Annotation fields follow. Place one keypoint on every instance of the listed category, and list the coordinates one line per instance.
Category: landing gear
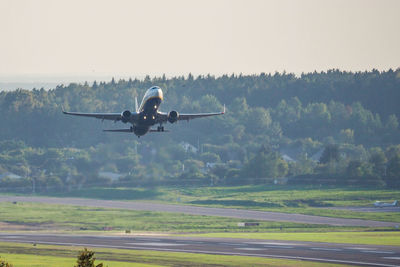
(160, 129)
(132, 131)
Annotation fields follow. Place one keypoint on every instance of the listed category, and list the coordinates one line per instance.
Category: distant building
(9, 175)
(188, 147)
(236, 164)
(290, 154)
(111, 175)
(281, 180)
(317, 155)
(244, 224)
(210, 165)
(287, 158)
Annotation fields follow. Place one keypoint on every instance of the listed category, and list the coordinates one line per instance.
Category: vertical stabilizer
(136, 104)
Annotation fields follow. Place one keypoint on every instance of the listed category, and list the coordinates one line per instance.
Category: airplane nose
(160, 93)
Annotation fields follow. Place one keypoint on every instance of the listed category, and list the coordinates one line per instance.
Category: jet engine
(126, 116)
(173, 116)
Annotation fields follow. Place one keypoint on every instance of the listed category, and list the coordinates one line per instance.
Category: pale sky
(175, 37)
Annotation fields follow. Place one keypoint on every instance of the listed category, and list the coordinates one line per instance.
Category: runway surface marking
(232, 244)
(250, 248)
(278, 247)
(272, 243)
(356, 248)
(198, 210)
(376, 251)
(191, 242)
(392, 258)
(327, 249)
(156, 244)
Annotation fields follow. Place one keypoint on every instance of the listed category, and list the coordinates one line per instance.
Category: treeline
(60, 169)
(293, 118)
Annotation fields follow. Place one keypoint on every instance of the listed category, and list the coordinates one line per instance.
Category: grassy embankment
(304, 200)
(24, 255)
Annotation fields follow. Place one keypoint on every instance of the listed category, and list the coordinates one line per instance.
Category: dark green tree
(392, 123)
(266, 164)
(378, 161)
(393, 171)
(331, 153)
(358, 169)
(258, 120)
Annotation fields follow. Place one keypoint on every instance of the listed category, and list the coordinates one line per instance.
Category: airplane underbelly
(141, 130)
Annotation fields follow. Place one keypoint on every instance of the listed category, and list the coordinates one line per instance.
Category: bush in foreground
(5, 264)
(86, 259)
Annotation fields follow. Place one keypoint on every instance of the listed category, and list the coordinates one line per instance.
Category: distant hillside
(335, 127)
(314, 105)
(10, 86)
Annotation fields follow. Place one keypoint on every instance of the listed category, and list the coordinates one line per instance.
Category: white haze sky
(175, 37)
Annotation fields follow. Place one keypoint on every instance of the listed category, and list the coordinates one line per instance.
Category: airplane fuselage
(148, 111)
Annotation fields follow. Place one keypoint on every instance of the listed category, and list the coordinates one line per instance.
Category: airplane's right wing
(163, 116)
(187, 117)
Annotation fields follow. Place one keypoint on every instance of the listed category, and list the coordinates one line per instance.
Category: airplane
(380, 204)
(146, 115)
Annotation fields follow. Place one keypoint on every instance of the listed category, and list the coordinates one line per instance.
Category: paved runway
(362, 255)
(223, 212)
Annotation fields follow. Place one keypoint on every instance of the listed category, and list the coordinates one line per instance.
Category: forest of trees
(337, 127)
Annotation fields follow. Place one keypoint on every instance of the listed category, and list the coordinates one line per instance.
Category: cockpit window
(154, 88)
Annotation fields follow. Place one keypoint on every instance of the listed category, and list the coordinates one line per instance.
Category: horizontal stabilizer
(157, 131)
(119, 130)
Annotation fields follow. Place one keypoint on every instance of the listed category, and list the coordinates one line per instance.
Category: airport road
(367, 209)
(195, 210)
(361, 255)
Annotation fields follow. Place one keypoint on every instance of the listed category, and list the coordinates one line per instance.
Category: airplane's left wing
(119, 130)
(102, 116)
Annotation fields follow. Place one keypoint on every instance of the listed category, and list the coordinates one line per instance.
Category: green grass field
(70, 219)
(261, 196)
(24, 260)
(25, 255)
(367, 238)
(49, 217)
(304, 200)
